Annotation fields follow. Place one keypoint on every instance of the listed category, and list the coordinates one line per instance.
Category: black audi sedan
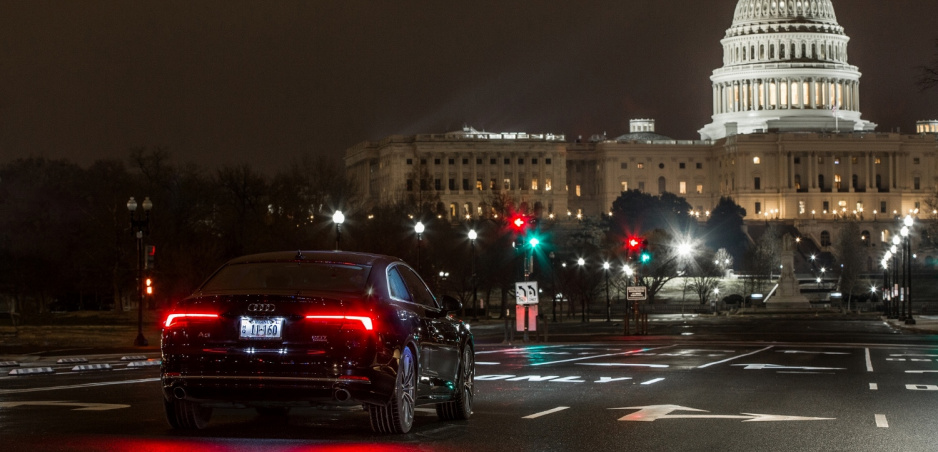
(275, 331)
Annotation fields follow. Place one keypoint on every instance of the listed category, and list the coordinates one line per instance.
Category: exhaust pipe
(179, 393)
(341, 394)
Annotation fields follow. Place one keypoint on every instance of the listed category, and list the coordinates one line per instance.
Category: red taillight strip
(366, 321)
(172, 317)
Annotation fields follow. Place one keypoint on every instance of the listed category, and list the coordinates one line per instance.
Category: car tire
(460, 408)
(397, 416)
(185, 415)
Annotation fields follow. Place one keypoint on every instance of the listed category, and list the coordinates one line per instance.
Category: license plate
(261, 328)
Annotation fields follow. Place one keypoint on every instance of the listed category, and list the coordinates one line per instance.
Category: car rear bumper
(252, 390)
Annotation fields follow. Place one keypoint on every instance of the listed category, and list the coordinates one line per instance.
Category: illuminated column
(778, 94)
(850, 188)
(811, 93)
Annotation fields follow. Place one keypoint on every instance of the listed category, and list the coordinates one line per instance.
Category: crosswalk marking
(881, 421)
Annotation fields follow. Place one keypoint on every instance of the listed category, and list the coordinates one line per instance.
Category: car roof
(348, 257)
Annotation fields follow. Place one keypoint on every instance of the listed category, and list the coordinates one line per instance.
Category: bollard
(508, 328)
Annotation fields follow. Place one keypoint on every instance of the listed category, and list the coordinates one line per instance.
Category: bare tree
(928, 74)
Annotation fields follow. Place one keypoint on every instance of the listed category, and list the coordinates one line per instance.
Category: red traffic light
(634, 243)
(519, 223)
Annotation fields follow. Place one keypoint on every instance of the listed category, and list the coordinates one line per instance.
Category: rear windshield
(262, 277)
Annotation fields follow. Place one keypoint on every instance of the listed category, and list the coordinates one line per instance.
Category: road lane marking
(881, 421)
(85, 385)
(802, 352)
(485, 363)
(651, 382)
(779, 367)
(611, 379)
(76, 406)
(632, 352)
(922, 387)
(869, 362)
(912, 354)
(545, 413)
(653, 413)
(659, 366)
(733, 358)
(921, 371)
(874, 386)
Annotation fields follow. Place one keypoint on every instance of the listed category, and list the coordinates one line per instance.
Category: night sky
(264, 82)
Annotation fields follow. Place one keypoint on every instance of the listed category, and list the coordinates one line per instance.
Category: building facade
(787, 143)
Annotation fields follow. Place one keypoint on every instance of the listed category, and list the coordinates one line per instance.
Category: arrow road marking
(632, 352)
(81, 406)
(653, 413)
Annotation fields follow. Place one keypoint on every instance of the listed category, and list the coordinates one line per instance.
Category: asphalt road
(783, 384)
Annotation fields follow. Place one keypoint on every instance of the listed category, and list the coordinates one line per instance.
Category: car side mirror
(451, 304)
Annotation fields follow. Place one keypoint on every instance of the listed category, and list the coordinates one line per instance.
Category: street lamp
(338, 218)
(906, 234)
(140, 227)
(581, 262)
(608, 306)
(473, 235)
(419, 228)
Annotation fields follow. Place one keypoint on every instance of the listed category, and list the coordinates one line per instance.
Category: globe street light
(139, 228)
(338, 218)
(419, 228)
(608, 305)
(473, 235)
(581, 262)
(906, 235)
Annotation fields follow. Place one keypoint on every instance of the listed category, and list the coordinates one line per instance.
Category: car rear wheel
(185, 415)
(460, 408)
(397, 416)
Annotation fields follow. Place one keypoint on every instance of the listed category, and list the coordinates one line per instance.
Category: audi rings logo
(261, 307)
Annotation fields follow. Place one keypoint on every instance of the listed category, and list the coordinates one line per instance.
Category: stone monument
(788, 294)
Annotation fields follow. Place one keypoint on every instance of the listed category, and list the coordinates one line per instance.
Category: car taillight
(351, 322)
(175, 320)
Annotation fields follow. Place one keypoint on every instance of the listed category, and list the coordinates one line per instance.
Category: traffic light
(645, 256)
(149, 257)
(633, 244)
(149, 286)
(519, 223)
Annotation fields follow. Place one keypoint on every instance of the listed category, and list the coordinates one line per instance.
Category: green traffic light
(646, 257)
(534, 242)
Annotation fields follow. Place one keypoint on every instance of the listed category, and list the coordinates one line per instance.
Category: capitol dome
(785, 68)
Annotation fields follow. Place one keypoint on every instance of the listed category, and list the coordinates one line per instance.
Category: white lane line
(660, 366)
(921, 371)
(733, 358)
(86, 385)
(651, 382)
(486, 363)
(632, 352)
(910, 354)
(881, 421)
(869, 362)
(545, 413)
(874, 386)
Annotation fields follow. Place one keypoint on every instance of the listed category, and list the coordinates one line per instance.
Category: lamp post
(338, 218)
(894, 249)
(581, 262)
(473, 235)
(419, 228)
(887, 299)
(140, 227)
(907, 234)
(608, 305)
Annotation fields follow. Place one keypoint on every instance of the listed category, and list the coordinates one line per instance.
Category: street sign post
(636, 293)
(526, 299)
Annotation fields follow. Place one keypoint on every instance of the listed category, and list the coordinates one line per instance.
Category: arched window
(820, 181)
(825, 238)
(797, 182)
(855, 182)
(865, 237)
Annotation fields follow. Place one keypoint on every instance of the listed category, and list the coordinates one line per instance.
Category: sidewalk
(923, 324)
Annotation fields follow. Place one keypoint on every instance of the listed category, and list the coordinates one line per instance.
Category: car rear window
(289, 276)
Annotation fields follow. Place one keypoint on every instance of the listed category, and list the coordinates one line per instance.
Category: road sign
(526, 292)
(636, 293)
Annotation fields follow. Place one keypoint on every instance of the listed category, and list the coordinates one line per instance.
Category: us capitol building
(787, 143)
